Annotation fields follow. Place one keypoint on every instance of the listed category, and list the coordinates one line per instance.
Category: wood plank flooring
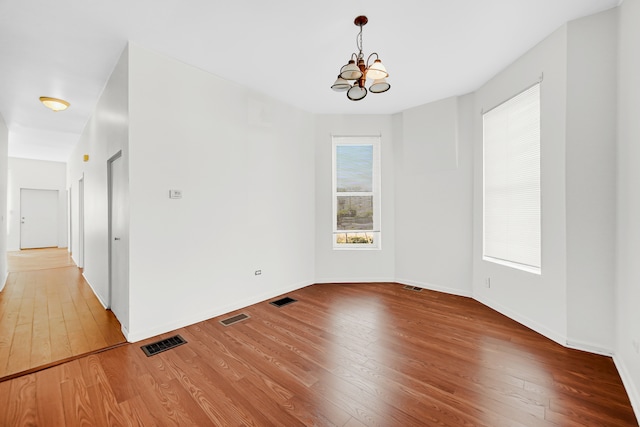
(343, 355)
(49, 313)
(39, 259)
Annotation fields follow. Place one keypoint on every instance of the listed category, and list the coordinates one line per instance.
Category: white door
(119, 241)
(70, 218)
(80, 258)
(38, 218)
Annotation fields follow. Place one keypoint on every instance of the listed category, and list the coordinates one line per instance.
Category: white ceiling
(288, 49)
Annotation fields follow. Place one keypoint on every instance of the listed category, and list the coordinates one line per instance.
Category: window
(511, 182)
(356, 192)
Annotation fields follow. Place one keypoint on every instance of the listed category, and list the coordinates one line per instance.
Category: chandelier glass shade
(354, 74)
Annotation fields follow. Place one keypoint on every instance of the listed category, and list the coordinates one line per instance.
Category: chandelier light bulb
(377, 71)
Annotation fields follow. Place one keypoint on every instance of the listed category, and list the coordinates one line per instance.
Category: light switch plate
(175, 194)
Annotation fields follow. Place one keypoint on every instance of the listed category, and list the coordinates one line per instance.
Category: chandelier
(354, 74)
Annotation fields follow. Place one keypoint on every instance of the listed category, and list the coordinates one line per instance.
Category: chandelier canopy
(354, 74)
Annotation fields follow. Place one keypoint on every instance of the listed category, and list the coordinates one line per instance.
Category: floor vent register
(283, 301)
(164, 345)
(234, 319)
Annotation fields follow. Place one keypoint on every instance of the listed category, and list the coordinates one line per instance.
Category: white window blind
(511, 184)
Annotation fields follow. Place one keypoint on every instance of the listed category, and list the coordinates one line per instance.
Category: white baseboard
(541, 329)
(589, 348)
(4, 281)
(432, 287)
(629, 385)
(218, 311)
(326, 280)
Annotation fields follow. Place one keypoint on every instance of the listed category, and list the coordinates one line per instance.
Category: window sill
(522, 267)
(356, 248)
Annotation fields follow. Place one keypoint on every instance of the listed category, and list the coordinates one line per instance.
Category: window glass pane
(355, 213)
(355, 238)
(354, 168)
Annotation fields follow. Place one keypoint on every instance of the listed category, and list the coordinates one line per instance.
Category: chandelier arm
(374, 53)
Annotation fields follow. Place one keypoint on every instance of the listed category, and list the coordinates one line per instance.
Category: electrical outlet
(487, 282)
(636, 346)
(258, 272)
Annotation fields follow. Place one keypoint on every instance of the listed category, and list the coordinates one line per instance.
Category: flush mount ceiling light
(54, 103)
(355, 73)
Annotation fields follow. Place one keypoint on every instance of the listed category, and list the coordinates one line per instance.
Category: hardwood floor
(39, 259)
(48, 313)
(343, 355)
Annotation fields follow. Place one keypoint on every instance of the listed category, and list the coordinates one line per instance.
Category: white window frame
(373, 141)
(517, 241)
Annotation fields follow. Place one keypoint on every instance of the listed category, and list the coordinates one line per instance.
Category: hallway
(48, 313)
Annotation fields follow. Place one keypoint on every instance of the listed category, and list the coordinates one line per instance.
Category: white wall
(591, 180)
(4, 175)
(352, 265)
(256, 181)
(105, 134)
(245, 166)
(433, 154)
(628, 224)
(572, 301)
(38, 175)
(538, 301)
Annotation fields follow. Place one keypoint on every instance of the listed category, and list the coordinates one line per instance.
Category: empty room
(320, 214)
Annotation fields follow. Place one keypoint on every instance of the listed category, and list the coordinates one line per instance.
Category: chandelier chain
(359, 42)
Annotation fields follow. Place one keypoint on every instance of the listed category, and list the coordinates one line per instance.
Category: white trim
(199, 317)
(629, 385)
(531, 324)
(4, 282)
(437, 288)
(589, 348)
(329, 280)
(528, 268)
(125, 332)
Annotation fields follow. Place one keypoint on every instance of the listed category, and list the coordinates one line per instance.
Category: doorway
(80, 258)
(118, 240)
(38, 218)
